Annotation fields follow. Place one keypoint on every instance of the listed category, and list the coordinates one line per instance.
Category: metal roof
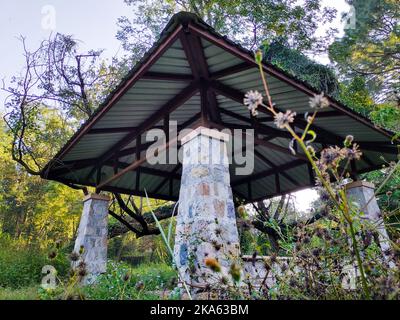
(192, 73)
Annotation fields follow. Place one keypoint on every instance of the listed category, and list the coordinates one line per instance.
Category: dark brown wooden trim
(137, 163)
(264, 174)
(142, 69)
(231, 70)
(263, 142)
(167, 76)
(170, 106)
(277, 183)
(111, 130)
(162, 183)
(273, 165)
(247, 57)
(325, 114)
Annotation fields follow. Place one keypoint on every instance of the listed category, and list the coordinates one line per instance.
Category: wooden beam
(111, 130)
(137, 163)
(198, 63)
(238, 96)
(167, 76)
(277, 183)
(146, 170)
(269, 172)
(323, 135)
(116, 130)
(273, 165)
(231, 70)
(170, 106)
(261, 128)
(139, 72)
(263, 142)
(162, 183)
(184, 37)
(248, 57)
(324, 114)
(203, 106)
(138, 144)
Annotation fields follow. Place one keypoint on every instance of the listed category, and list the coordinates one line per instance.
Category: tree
(249, 22)
(372, 47)
(32, 208)
(58, 89)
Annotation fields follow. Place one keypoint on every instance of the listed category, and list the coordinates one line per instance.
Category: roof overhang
(194, 76)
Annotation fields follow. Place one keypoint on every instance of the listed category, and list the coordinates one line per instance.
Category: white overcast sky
(94, 23)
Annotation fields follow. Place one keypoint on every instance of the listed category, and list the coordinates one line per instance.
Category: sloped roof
(194, 73)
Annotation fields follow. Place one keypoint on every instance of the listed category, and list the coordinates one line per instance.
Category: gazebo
(196, 78)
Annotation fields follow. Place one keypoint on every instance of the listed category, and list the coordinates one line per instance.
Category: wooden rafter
(269, 172)
(248, 57)
(170, 106)
(167, 76)
(230, 70)
(264, 143)
(137, 163)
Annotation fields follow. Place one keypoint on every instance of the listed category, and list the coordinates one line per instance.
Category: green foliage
(300, 66)
(371, 47)
(33, 208)
(356, 95)
(28, 293)
(387, 115)
(21, 265)
(123, 282)
(248, 22)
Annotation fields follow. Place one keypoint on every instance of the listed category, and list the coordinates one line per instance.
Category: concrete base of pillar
(91, 240)
(363, 194)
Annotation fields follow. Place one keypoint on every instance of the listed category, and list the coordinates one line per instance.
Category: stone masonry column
(206, 223)
(92, 236)
(361, 192)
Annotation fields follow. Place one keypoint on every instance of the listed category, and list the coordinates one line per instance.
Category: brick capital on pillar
(92, 235)
(363, 193)
(206, 223)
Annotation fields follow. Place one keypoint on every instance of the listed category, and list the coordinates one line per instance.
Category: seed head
(213, 264)
(352, 153)
(139, 285)
(52, 254)
(283, 119)
(348, 141)
(319, 101)
(235, 272)
(252, 100)
(331, 156)
(81, 249)
(126, 277)
(74, 256)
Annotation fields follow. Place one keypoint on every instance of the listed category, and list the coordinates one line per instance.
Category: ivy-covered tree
(371, 47)
(250, 22)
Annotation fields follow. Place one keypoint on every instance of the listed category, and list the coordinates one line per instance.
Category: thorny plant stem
(167, 244)
(341, 205)
(397, 165)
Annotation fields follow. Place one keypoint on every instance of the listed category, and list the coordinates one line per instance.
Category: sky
(91, 21)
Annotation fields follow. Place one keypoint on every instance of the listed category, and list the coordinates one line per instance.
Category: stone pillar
(206, 223)
(92, 236)
(361, 192)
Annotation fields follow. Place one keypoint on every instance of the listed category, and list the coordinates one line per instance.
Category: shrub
(21, 265)
(122, 282)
